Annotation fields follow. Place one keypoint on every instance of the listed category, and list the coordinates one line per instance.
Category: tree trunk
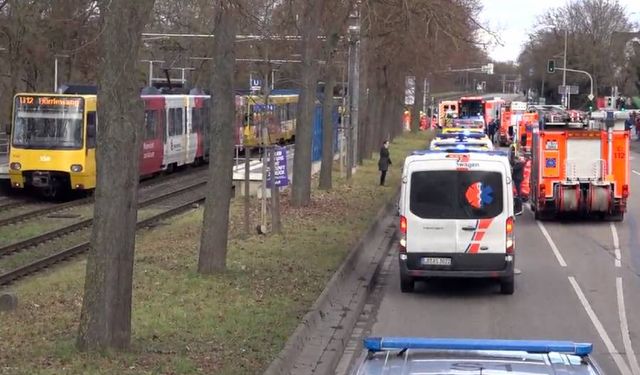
(327, 130)
(374, 104)
(105, 320)
(301, 189)
(417, 107)
(215, 225)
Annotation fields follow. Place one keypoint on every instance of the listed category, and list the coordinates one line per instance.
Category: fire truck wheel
(616, 216)
(541, 215)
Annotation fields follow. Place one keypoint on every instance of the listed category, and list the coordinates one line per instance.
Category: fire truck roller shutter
(583, 159)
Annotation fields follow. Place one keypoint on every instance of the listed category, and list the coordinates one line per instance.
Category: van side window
(92, 123)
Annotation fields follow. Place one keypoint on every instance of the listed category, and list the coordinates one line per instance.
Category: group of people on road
(633, 122)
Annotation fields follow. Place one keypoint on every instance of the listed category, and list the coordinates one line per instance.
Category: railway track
(37, 240)
(9, 203)
(147, 184)
(45, 262)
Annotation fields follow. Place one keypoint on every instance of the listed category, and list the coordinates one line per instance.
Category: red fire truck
(580, 167)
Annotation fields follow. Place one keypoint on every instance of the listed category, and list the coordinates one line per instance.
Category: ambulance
(447, 111)
(457, 217)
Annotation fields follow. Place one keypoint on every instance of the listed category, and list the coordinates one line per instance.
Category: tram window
(150, 124)
(92, 126)
(175, 121)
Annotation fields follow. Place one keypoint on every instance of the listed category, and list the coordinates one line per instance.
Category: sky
(514, 19)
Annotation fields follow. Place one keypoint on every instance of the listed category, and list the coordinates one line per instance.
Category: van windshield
(456, 194)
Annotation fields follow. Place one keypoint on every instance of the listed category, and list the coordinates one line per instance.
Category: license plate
(436, 261)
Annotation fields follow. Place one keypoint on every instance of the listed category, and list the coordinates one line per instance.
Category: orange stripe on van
(484, 224)
(474, 248)
(477, 236)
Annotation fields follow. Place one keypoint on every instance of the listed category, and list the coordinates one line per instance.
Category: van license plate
(436, 261)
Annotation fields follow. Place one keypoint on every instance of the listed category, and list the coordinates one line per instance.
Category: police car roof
(407, 355)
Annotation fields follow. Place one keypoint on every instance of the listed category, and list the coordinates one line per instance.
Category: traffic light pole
(583, 72)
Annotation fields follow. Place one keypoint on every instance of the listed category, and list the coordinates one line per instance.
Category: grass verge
(185, 323)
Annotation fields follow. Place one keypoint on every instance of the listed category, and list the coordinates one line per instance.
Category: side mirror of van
(7, 128)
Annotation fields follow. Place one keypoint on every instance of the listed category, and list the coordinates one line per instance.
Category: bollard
(8, 301)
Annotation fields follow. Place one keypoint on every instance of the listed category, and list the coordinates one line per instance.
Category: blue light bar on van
(453, 150)
(464, 134)
(377, 344)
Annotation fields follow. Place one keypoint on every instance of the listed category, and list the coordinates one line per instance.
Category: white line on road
(616, 245)
(617, 358)
(552, 244)
(624, 328)
(636, 172)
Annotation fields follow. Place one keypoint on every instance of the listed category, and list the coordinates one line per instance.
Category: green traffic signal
(551, 66)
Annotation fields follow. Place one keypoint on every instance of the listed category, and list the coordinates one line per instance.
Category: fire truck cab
(581, 167)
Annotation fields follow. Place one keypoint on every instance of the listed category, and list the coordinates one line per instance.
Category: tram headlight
(15, 166)
(76, 168)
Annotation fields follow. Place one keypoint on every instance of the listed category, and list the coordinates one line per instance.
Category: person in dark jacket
(384, 162)
(517, 165)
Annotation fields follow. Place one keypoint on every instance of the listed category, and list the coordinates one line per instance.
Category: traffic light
(609, 101)
(551, 66)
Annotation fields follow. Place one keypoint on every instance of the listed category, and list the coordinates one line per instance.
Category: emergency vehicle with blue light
(581, 167)
(416, 355)
(457, 217)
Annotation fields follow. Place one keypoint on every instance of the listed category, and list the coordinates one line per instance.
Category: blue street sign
(281, 175)
(264, 107)
(255, 84)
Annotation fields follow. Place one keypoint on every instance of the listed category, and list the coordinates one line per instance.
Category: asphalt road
(579, 281)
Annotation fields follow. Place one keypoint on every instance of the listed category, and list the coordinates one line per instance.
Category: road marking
(636, 172)
(624, 328)
(616, 245)
(617, 358)
(552, 244)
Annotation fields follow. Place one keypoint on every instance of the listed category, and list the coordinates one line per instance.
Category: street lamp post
(55, 72)
(564, 72)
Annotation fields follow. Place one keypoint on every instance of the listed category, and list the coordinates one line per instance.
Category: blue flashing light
(465, 134)
(377, 344)
(448, 149)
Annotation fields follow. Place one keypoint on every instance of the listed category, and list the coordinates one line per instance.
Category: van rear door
(457, 211)
(427, 232)
(481, 210)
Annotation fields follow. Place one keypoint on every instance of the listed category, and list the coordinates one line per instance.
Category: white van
(457, 217)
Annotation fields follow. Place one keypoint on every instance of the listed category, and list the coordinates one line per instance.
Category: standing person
(384, 162)
(517, 174)
(492, 130)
